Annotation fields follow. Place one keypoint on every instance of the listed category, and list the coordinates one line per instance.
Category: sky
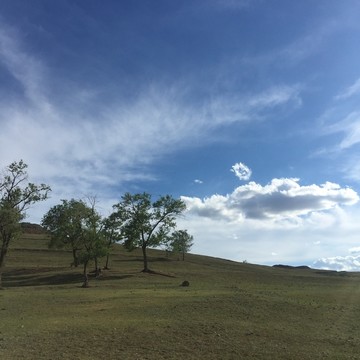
(246, 109)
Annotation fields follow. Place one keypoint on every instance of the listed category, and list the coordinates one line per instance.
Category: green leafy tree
(93, 240)
(112, 234)
(16, 196)
(77, 226)
(146, 223)
(65, 223)
(181, 242)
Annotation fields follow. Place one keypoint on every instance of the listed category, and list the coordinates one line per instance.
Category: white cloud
(197, 181)
(342, 123)
(349, 126)
(255, 241)
(77, 150)
(350, 91)
(241, 171)
(338, 263)
(355, 250)
(298, 223)
(351, 167)
(234, 108)
(283, 200)
(299, 243)
(276, 96)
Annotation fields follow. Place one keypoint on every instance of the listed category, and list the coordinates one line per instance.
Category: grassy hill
(230, 310)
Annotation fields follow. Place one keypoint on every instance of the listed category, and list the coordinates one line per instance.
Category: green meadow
(230, 310)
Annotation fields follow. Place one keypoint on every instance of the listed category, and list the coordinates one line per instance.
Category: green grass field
(229, 311)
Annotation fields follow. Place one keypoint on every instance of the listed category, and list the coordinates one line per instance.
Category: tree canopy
(16, 196)
(76, 225)
(181, 242)
(65, 222)
(111, 231)
(146, 223)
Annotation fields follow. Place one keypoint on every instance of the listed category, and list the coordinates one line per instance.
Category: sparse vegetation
(230, 310)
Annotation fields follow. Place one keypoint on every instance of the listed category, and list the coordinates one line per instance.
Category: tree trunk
(4, 248)
(146, 269)
(76, 260)
(107, 262)
(97, 269)
(96, 266)
(183, 255)
(2, 255)
(86, 278)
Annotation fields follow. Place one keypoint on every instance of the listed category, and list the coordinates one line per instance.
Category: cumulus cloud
(338, 263)
(280, 200)
(241, 171)
(198, 181)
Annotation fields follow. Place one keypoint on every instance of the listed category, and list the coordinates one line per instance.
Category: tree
(65, 224)
(112, 234)
(181, 242)
(77, 226)
(94, 245)
(16, 196)
(145, 223)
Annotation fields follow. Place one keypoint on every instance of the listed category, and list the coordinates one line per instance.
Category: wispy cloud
(341, 124)
(73, 147)
(27, 70)
(349, 126)
(350, 91)
(244, 107)
(351, 168)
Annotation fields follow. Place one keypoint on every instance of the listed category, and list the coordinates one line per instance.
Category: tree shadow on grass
(152, 272)
(113, 277)
(39, 277)
(140, 259)
(51, 276)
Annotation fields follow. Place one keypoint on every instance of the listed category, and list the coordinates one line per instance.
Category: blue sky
(248, 110)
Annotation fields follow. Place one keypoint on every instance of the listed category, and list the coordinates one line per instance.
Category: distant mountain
(304, 267)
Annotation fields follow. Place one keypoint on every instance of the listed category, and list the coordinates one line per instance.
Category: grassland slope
(230, 310)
